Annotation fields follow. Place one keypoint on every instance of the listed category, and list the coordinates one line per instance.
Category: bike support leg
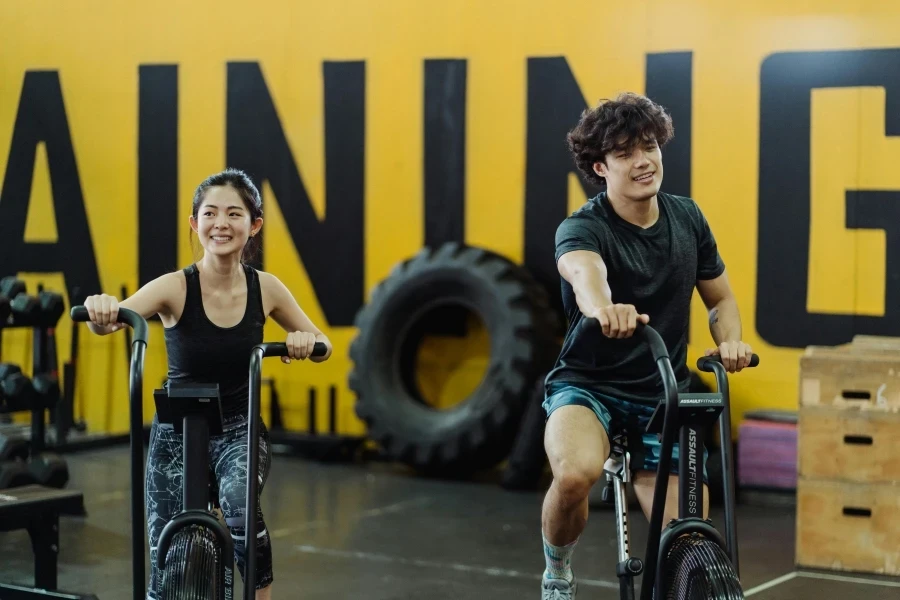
(627, 567)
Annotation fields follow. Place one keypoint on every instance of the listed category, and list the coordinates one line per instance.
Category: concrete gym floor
(373, 532)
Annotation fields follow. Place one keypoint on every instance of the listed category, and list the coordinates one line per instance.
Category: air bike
(688, 559)
(196, 553)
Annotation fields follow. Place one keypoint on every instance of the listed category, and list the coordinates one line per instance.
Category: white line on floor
(824, 576)
(848, 579)
(114, 496)
(372, 512)
(494, 571)
(769, 584)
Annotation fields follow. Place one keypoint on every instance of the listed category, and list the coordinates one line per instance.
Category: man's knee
(574, 480)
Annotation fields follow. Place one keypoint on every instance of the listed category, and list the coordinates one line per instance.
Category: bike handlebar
(650, 335)
(126, 316)
(260, 351)
(135, 385)
(654, 340)
(658, 346)
(281, 349)
(704, 362)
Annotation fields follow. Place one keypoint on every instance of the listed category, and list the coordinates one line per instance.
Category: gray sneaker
(558, 589)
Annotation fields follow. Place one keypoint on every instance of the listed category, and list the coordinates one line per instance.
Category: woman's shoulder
(180, 276)
(168, 281)
(267, 281)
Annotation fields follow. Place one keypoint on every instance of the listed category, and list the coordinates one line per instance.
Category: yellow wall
(97, 56)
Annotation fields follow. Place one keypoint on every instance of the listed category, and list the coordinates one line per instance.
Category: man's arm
(586, 273)
(724, 322)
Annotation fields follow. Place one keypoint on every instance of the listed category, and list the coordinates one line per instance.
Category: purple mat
(767, 454)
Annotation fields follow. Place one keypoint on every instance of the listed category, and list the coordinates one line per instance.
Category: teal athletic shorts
(612, 414)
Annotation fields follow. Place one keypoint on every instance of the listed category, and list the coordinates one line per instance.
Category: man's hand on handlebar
(619, 320)
(735, 355)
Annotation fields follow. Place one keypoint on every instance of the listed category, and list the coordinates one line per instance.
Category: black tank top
(201, 352)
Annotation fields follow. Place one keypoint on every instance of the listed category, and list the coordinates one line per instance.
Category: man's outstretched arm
(586, 273)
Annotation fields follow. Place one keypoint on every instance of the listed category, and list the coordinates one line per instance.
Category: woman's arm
(152, 299)
(285, 310)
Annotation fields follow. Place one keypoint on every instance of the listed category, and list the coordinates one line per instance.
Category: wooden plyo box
(848, 526)
(848, 489)
(849, 445)
(851, 378)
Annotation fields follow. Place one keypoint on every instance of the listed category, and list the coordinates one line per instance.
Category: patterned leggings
(228, 462)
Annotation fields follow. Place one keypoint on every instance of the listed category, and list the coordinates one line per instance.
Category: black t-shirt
(656, 270)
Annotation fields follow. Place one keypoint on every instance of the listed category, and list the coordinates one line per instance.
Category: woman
(213, 314)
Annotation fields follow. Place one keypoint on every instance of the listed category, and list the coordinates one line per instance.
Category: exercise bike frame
(690, 488)
(136, 434)
(196, 445)
(259, 352)
(196, 425)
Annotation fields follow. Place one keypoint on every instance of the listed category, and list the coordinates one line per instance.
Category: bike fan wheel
(194, 568)
(697, 568)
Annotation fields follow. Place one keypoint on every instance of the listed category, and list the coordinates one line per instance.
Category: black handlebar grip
(703, 362)
(650, 335)
(137, 323)
(281, 349)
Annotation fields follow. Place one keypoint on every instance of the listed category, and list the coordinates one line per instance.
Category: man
(631, 254)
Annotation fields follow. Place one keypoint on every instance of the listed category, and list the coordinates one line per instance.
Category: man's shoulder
(682, 208)
(591, 212)
(678, 202)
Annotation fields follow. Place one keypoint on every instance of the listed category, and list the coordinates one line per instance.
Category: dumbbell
(46, 390)
(25, 309)
(52, 308)
(4, 309)
(14, 473)
(16, 389)
(13, 447)
(50, 469)
(12, 287)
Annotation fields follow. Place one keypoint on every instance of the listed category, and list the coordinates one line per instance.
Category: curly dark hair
(616, 125)
(244, 186)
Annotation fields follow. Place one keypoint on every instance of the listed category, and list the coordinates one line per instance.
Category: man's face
(634, 173)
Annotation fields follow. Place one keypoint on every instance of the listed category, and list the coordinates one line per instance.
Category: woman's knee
(233, 498)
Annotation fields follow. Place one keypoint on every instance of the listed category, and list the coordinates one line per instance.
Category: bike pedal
(635, 566)
(631, 567)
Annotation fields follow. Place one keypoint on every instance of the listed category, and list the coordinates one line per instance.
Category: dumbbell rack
(40, 392)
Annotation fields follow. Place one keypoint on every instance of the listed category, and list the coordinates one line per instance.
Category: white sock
(559, 560)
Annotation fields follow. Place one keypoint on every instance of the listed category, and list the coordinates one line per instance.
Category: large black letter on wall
(331, 249)
(786, 81)
(157, 171)
(445, 151)
(555, 103)
(670, 83)
(41, 117)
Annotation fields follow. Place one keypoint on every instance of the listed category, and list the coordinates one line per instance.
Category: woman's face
(223, 222)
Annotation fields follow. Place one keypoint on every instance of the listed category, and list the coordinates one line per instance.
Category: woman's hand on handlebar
(300, 345)
(735, 355)
(619, 320)
(103, 310)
